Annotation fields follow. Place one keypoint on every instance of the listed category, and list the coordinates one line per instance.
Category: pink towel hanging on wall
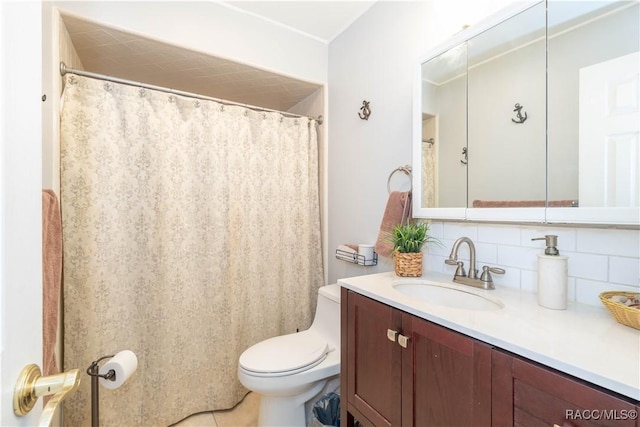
(397, 211)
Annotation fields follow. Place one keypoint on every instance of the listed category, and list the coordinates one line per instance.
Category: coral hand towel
(398, 211)
(51, 278)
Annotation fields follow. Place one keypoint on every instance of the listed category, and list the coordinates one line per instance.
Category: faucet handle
(486, 273)
(460, 270)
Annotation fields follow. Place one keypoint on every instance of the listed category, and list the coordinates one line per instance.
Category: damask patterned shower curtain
(191, 231)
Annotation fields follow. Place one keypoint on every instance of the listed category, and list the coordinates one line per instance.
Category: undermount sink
(447, 296)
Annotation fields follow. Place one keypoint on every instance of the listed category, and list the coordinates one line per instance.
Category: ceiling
(323, 20)
(124, 55)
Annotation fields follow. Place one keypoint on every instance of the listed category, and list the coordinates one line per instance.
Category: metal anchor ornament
(518, 111)
(366, 111)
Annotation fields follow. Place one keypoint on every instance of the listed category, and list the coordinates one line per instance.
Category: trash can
(326, 411)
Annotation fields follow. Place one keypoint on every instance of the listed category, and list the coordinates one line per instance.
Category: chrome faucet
(485, 281)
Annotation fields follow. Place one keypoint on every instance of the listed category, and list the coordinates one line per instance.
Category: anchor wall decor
(518, 111)
(366, 111)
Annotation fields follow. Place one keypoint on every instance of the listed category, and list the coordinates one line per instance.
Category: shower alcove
(87, 45)
(96, 48)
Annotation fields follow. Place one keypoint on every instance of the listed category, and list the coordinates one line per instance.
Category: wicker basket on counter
(624, 314)
(408, 264)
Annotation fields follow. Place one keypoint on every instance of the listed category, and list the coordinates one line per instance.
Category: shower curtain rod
(64, 70)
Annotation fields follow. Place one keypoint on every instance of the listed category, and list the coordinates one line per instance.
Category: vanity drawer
(528, 394)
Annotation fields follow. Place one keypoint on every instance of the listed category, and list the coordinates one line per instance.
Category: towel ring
(406, 169)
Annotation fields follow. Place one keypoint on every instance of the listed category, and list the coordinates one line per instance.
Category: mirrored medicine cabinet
(532, 116)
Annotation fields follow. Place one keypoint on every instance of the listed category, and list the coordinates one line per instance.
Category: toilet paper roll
(366, 250)
(124, 364)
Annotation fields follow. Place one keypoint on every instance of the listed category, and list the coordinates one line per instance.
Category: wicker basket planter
(408, 264)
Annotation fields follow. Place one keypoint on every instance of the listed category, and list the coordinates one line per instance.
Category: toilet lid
(294, 352)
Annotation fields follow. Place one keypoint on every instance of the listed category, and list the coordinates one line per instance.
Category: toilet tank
(327, 318)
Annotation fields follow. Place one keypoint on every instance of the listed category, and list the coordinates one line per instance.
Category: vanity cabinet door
(527, 394)
(448, 377)
(373, 371)
(427, 376)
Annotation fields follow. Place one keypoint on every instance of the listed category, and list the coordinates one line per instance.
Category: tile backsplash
(599, 259)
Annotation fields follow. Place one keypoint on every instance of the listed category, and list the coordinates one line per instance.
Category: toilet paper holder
(94, 369)
(114, 373)
(94, 372)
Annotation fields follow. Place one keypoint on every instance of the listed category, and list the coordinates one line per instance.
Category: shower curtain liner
(191, 231)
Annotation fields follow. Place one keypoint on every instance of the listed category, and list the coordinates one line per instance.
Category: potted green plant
(408, 240)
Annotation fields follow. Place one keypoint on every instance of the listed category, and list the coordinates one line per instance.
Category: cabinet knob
(403, 341)
(392, 335)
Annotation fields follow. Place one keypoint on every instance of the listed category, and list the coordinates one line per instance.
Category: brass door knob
(31, 385)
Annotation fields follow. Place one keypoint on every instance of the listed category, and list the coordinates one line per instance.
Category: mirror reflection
(444, 129)
(507, 113)
(536, 113)
(593, 103)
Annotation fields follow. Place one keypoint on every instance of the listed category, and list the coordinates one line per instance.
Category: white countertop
(582, 341)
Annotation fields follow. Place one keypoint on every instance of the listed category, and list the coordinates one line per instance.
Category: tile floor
(245, 414)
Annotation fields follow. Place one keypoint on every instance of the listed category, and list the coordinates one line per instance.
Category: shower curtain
(191, 231)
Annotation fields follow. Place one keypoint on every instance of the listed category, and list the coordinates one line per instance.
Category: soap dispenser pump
(552, 275)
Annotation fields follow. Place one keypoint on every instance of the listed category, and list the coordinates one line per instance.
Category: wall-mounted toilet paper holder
(31, 385)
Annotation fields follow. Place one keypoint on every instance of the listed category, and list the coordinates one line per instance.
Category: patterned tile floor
(245, 414)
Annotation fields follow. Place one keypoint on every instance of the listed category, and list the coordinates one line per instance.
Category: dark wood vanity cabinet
(400, 370)
(373, 377)
(527, 394)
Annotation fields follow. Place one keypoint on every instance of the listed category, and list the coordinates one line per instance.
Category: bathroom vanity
(420, 352)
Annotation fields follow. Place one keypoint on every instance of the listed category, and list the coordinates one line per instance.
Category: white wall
(373, 60)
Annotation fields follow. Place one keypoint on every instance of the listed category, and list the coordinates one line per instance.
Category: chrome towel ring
(406, 169)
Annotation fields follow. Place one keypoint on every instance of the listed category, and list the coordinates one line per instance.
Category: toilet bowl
(288, 371)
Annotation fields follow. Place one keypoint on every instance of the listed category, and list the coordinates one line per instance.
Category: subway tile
(624, 243)
(442, 249)
(505, 235)
(571, 289)
(588, 291)
(518, 256)
(436, 229)
(625, 271)
(529, 281)
(454, 230)
(510, 279)
(432, 262)
(487, 254)
(588, 266)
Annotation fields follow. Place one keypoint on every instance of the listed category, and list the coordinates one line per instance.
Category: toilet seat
(285, 355)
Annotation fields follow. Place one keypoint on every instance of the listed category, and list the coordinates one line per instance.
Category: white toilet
(290, 370)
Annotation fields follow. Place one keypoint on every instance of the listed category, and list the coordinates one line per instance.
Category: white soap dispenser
(552, 275)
